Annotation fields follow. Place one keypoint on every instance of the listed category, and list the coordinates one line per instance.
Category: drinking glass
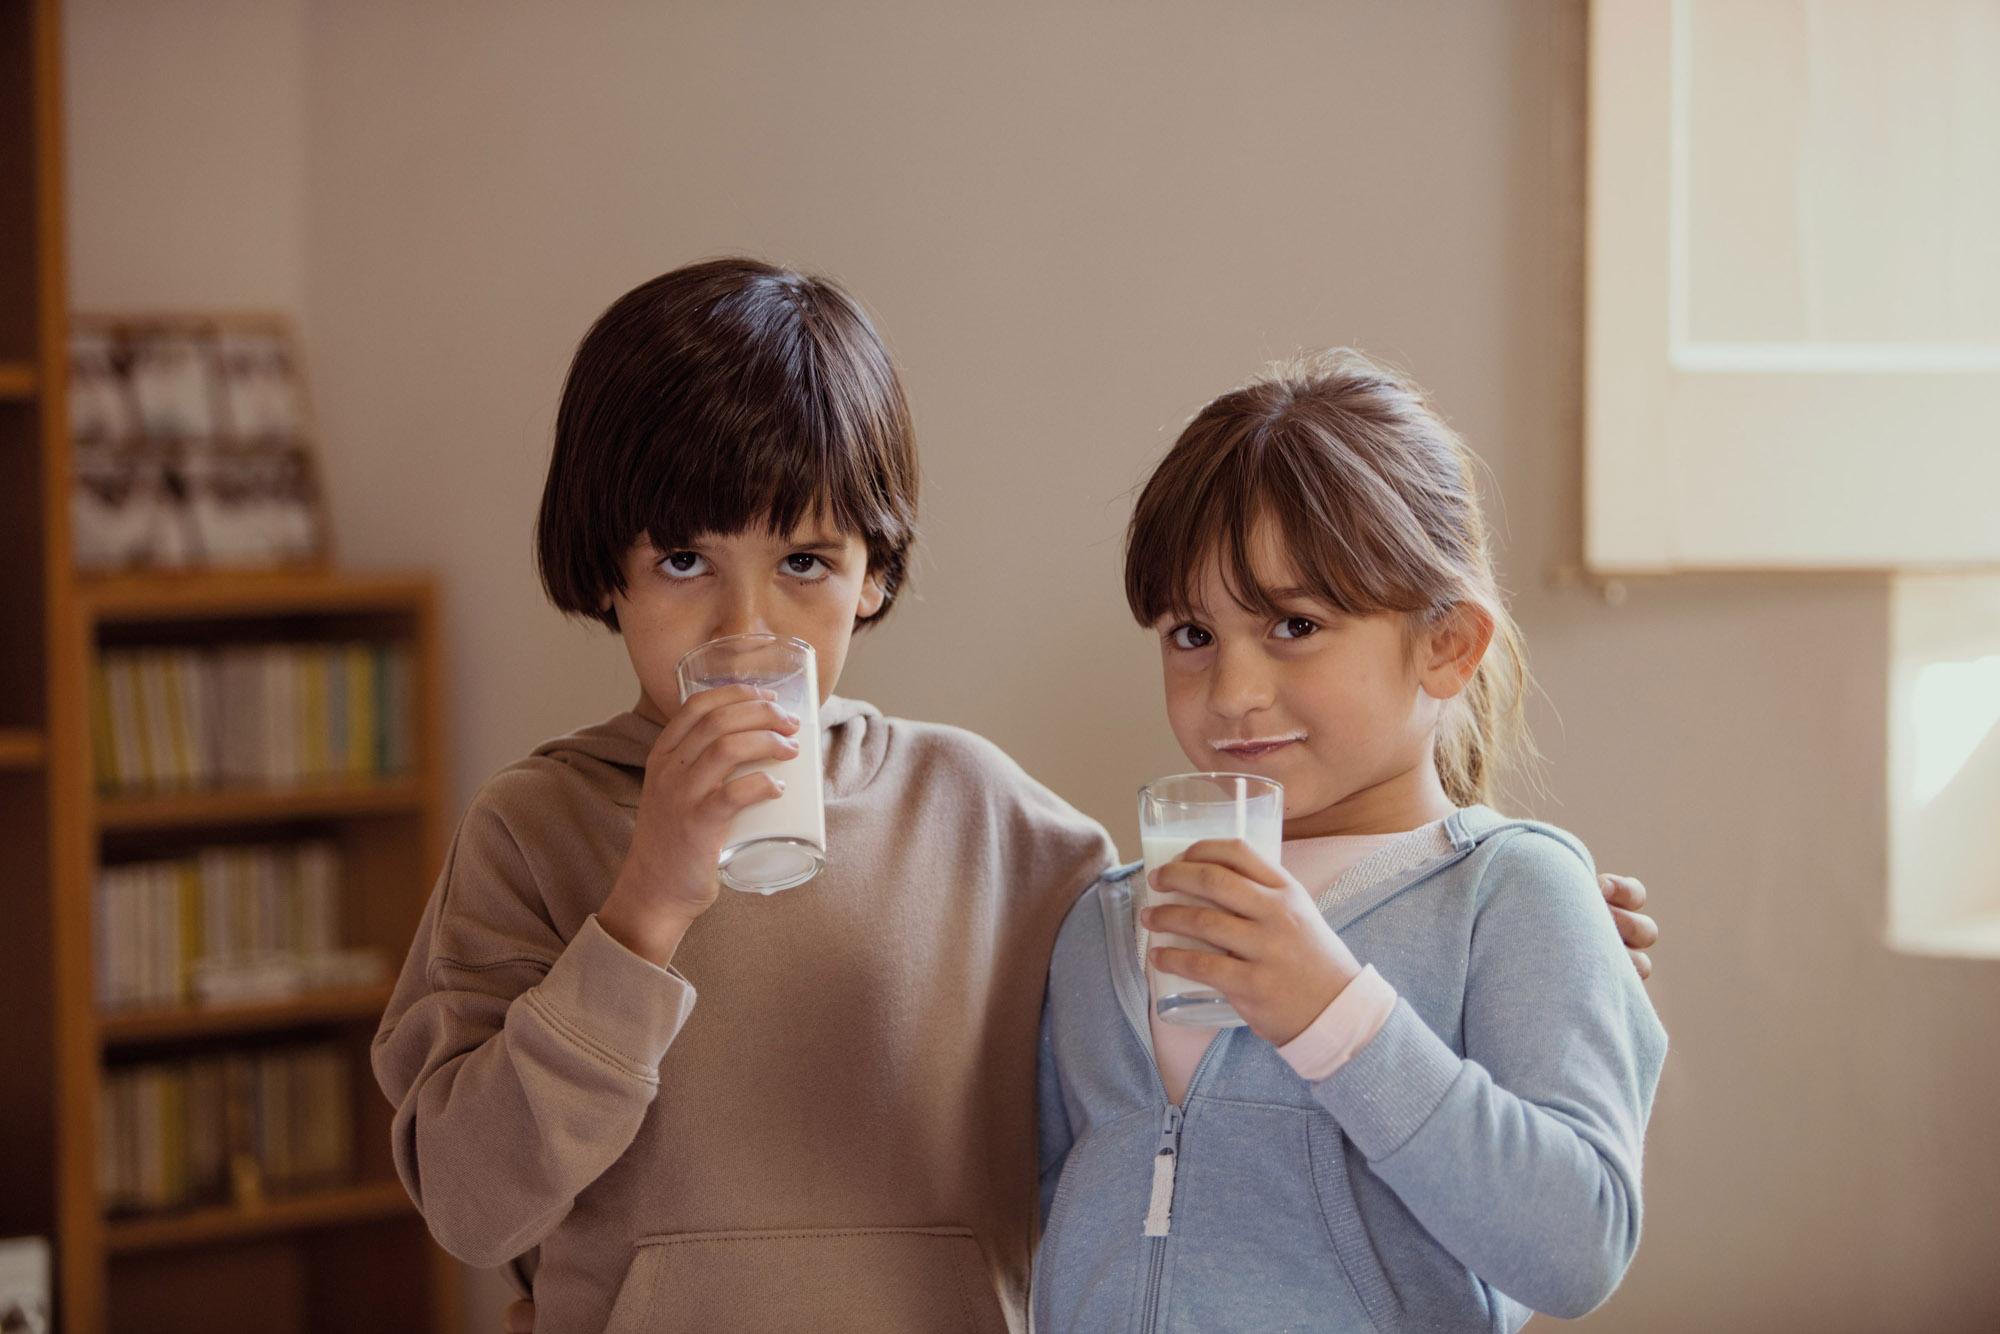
(780, 843)
(1175, 813)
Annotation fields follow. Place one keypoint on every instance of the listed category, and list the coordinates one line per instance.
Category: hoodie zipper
(1159, 1211)
(1158, 1227)
(1159, 1208)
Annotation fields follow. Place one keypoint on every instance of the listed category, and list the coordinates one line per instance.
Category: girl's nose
(1240, 686)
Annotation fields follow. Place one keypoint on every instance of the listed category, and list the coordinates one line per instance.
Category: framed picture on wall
(193, 445)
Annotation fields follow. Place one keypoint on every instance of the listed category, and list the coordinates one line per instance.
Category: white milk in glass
(781, 842)
(763, 847)
(1160, 848)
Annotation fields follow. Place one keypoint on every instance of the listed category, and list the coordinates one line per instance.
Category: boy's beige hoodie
(821, 1117)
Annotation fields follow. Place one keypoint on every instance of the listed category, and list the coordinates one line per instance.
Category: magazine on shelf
(192, 444)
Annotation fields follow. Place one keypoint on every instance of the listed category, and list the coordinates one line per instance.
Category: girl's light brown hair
(1373, 496)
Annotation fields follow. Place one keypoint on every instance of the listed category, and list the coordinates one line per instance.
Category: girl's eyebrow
(819, 544)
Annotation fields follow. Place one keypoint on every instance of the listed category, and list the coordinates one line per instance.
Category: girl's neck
(1396, 805)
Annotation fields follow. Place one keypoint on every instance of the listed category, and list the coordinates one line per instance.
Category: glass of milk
(1174, 814)
(781, 843)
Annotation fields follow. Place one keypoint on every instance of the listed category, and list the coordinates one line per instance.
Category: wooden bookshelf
(352, 1256)
(194, 596)
(242, 805)
(138, 1027)
(317, 1209)
(22, 748)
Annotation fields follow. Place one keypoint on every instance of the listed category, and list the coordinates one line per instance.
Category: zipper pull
(1159, 1211)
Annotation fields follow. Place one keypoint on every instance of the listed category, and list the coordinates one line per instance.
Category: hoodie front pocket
(1326, 1151)
(825, 1280)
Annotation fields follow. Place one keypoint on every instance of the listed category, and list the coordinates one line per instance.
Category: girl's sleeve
(1521, 1157)
(1052, 1129)
(519, 1065)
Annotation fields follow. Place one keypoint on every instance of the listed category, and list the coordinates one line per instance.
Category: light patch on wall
(1944, 765)
(1953, 708)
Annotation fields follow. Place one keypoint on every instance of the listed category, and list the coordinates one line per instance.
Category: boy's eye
(807, 566)
(1295, 627)
(683, 565)
(1189, 637)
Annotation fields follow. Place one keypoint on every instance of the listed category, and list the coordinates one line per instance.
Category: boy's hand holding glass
(685, 806)
(1280, 965)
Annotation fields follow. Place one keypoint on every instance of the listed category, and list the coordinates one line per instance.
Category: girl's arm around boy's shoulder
(520, 1064)
(1523, 1156)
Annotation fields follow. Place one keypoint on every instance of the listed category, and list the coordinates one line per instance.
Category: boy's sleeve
(1522, 1157)
(519, 1065)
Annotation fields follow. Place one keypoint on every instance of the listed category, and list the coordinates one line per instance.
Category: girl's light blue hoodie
(1477, 1161)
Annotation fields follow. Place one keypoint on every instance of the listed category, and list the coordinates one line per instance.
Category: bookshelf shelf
(134, 1028)
(17, 381)
(238, 806)
(224, 594)
(349, 1205)
(22, 748)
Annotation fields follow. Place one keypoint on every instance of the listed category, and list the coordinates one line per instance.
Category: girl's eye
(684, 565)
(1189, 637)
(804, 564)
(1295, 627)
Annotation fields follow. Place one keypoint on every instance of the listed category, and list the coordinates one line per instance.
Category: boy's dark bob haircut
(720, 395)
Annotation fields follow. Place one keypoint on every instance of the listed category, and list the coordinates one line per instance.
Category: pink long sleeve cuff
(1348, 1023)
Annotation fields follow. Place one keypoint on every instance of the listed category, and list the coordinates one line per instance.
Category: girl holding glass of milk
(1393, 1072)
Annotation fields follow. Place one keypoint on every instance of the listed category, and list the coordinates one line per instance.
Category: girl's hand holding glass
(1280, 965)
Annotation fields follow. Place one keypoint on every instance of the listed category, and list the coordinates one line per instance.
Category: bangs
(805, 422)
(1235, 470)
(716, 398)
(803, 462)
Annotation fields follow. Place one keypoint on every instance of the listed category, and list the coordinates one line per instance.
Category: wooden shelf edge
(22, 748)
(18, 381)
(132, 1028)
(195, 594)
(368, 1203)
(261, 805)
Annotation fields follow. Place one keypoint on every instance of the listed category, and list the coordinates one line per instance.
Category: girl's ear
(1450, 651)
(874, 592)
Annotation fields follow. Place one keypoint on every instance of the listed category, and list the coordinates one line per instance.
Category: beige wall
(1075, 223)
(187, 162)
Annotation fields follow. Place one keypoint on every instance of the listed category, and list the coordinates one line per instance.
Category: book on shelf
(228, 924)
(166, 719)
(24, 1285)
(224, 1129)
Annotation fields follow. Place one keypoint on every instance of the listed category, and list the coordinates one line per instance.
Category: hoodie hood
(854, 740)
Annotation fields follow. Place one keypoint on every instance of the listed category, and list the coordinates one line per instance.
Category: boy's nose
(744, 619)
